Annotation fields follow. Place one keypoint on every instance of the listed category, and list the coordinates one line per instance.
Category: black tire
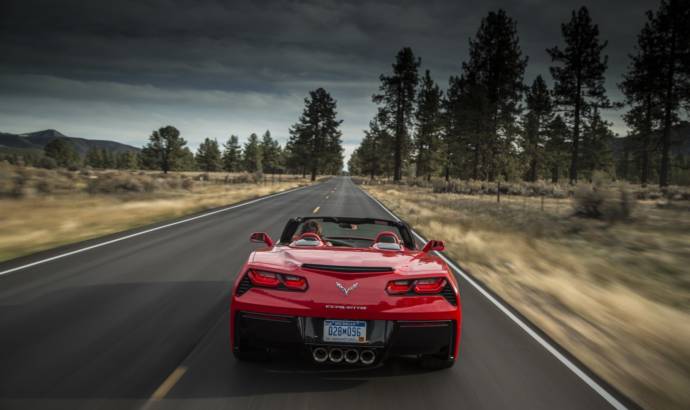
(433, 362)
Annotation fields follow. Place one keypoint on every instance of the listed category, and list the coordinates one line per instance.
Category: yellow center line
(316, 209)
(169, 383)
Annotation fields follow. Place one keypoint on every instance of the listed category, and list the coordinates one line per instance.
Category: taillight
(294, 282)
(277, 280)
(427, 286)
(398, 287)
(265, 279)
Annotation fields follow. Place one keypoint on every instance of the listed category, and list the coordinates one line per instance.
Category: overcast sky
(119, 69)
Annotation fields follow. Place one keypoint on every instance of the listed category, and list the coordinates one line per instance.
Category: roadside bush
(121, 183)
(606, 203)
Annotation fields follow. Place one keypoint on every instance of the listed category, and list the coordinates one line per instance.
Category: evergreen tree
(670, 38)
(536, 124)
(579, 75)
(94, 158)
(428, 121)
(397, 98)
(185, 161)
(127, 160)
(165, 149)
(556, 148)
(62, 151)
(271, 153)
(208, 156)
(495, 71)
(596, 145)
(232, 155)
(315, 140)
(251, 155)
(642, 94)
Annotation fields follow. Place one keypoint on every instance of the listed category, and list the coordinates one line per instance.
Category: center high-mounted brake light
(276, 280)
(428, 286)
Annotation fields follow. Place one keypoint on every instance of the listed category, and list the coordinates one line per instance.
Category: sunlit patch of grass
(32, 221)
(617, 295)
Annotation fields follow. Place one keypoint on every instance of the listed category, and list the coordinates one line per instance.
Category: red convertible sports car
(351, 291)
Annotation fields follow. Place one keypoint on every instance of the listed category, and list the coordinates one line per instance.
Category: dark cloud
(239, 66)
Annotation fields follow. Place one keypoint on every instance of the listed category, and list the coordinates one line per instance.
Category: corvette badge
(345, 290)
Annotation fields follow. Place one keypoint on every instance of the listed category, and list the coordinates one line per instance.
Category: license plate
(346, 331)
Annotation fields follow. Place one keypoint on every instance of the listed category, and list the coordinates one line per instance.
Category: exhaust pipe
(351, 356)
(367, 356)
(336, 355)
(319, 354)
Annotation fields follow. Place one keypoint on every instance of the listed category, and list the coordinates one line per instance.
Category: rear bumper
(388, 337)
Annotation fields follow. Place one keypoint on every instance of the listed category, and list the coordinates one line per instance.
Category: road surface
(142, 323)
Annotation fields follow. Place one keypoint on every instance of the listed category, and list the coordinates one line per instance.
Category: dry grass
(615, 295)
(70, 205)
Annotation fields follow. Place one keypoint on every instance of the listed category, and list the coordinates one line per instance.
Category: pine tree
(271, 153)
(397, 98)
(536, 124)
(62, 151)
(428, 122)
(93, 158)
(315, 140)
(232, 155)
(579, 75)
(208, 156)
(496, 68)
(641, 89)
(165, 149)
(670, 37)
(556, 148)
(251, 155)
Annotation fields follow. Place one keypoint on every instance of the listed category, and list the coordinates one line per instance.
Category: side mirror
(433, 245)
(261, 237)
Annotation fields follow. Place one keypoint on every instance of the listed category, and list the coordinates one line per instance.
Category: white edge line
(546, 345)
(98, 245)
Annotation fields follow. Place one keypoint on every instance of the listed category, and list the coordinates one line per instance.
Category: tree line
(488, 124)
(313, 148)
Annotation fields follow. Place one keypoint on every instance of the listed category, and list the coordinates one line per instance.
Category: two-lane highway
(118, 324)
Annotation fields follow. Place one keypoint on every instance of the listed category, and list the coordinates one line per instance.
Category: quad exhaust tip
(367, 356)
(351, 356)
(336, 355)
(320, 354)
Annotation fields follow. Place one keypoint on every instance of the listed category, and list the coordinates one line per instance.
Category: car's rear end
(354, 313)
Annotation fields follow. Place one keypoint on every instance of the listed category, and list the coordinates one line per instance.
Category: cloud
(118, 69)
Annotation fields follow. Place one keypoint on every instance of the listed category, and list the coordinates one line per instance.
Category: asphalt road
(112, 326)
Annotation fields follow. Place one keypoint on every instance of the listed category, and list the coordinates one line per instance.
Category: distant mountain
(35, 141)
(680, 141)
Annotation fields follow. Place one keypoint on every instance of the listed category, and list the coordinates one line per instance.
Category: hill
(35, 141)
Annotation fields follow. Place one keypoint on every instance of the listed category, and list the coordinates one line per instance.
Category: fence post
(498, 192)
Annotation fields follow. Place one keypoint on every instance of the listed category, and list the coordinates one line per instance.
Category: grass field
(42, 209)
(617, 295)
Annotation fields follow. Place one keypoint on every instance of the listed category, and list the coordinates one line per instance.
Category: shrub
(613, 203)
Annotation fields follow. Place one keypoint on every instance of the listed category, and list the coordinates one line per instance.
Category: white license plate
(346, 331)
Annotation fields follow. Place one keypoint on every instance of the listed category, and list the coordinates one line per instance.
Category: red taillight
(294, 282)
(275, 280)
(265, 279)
(429, 286)
(419, 286)
(398, 287)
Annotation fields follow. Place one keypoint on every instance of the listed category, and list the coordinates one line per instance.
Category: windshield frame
(294, 223)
